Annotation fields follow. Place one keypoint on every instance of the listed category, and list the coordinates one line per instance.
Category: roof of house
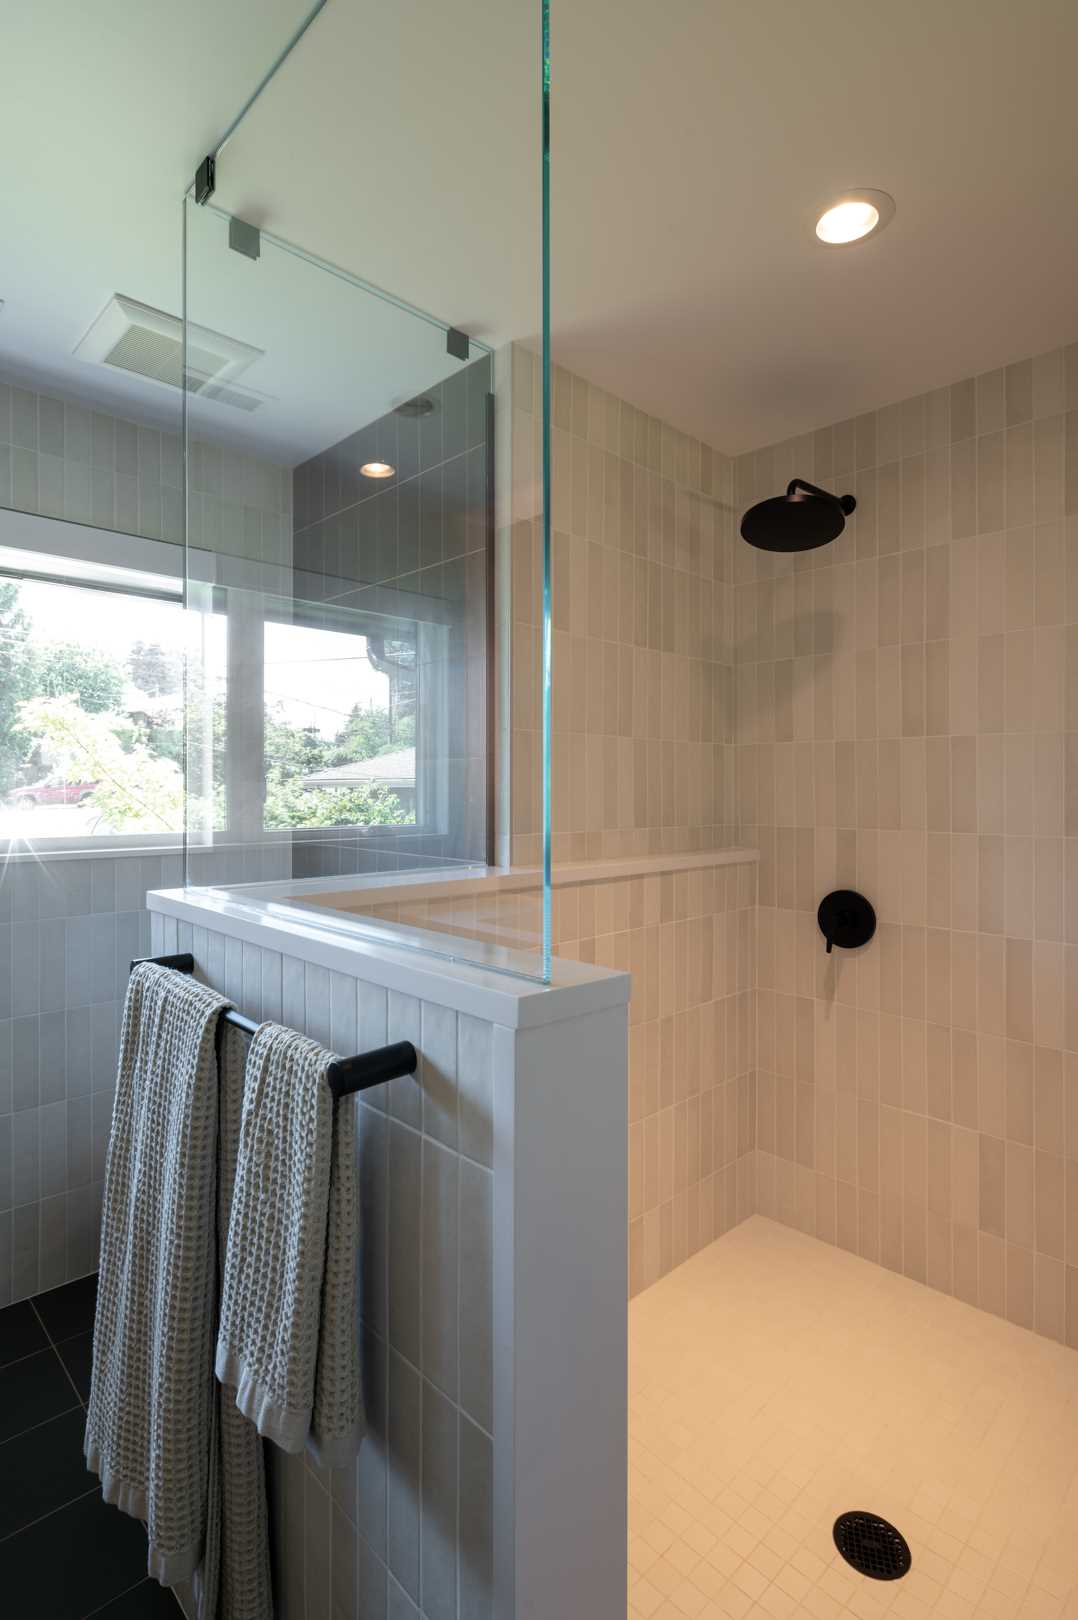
(395, 770)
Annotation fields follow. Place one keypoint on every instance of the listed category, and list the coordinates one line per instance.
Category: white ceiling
(105, 111)
(694, 145)
(716, 131)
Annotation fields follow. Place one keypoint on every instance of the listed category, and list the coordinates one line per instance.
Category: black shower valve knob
(846, 918)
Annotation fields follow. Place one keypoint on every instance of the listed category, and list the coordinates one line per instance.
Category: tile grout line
(30, 1429)
(18, 1360)
(56, 1353)
(102, 1607)
(51, 1514)
(40, 1319)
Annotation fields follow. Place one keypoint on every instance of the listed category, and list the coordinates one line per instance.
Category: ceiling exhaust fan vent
(148, 343)
(241, 399)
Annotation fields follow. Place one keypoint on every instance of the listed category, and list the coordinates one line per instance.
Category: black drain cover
(872, 1546)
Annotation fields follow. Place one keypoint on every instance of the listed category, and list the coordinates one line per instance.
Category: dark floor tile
(72, 1563)
(68, 1310)
(20, 1332)
(77, 1356)
(33, 1390)
(43, 1470)
(146, 1602)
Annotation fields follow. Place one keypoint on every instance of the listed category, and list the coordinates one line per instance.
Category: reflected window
(340, 712)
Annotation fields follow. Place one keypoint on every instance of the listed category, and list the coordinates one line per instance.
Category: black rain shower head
(800, 520)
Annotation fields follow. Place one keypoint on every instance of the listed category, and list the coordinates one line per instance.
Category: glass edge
(546, 944)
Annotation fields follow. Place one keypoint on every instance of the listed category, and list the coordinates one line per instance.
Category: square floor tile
(71, 1564)
(43, 1470)
(20, 1332)
(32, 1391)
(776, 1382)
(68, 1310)
(148, 1601)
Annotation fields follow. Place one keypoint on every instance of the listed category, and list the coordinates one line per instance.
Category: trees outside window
(92, 722)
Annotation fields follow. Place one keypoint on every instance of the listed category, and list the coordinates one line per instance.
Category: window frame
(197, 580)
(100, 557)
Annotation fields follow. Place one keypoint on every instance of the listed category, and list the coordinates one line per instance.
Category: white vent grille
(150, 354)
(149, 343)
(243, 400)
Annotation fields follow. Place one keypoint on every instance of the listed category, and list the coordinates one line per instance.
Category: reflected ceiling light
(377, 469)
(856, 215)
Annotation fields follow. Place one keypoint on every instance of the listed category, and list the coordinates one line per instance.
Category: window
(310, 719)
(339, 727)
(244, 718)
(91, 703)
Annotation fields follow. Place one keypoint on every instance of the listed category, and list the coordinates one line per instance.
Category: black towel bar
(347, 1075)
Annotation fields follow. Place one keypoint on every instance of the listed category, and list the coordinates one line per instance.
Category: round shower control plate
(846, 918)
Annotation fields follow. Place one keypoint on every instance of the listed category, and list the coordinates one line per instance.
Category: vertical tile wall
(62, 458)
(408, 1530)
(68, 927)
(908, 725)
(642, 628)
(688, 938)
(642, 762)
(68, 930)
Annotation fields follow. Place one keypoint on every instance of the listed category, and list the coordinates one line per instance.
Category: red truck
(51, 793)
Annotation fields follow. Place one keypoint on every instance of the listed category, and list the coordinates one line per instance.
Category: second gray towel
(288, 1336)
(148, 1420)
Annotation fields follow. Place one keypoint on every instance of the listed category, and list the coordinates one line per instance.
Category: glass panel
(341, 517)
(91, 559)
(339, 721)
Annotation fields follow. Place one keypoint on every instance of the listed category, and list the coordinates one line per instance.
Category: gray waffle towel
(148, 1423)
(167, 1440)
(233, 1582)
(288, 1338)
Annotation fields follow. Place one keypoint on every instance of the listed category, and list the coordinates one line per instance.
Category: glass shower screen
(349, 755)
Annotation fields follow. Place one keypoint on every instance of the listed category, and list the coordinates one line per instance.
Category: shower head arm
(846, 502)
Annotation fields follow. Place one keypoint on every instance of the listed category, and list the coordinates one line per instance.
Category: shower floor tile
(776, 1382)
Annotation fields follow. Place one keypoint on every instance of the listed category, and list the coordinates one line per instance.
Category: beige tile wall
(688, 940)
(642, 763)
(642, 623)
(907, 721)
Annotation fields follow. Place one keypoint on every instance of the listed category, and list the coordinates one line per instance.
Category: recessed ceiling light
(377, 469)
(856, 215)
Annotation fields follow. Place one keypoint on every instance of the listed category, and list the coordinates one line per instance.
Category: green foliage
(28, 672)
(61, 671)
(136, 791)
(294, 749)
(293, 752)
(153, 670)
(162, 739)
(289, 804)
(368, 733)
(15, 746)
(60, 709)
